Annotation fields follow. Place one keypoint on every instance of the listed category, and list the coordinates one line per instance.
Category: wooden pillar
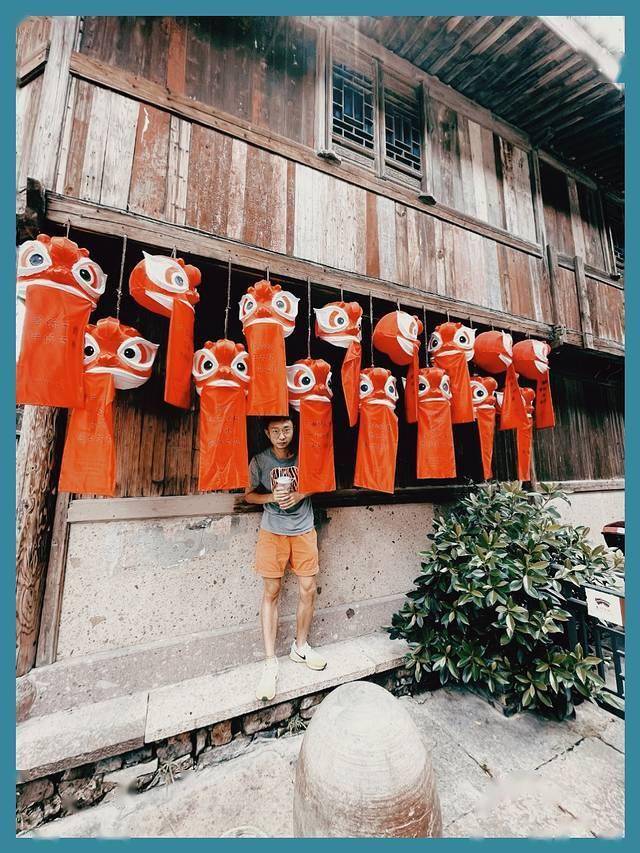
(37, 464)
(583, 302)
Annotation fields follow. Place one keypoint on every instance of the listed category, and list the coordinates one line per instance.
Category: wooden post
(37, 463)
(559, 330)
(55, 85)
(429, 164)
(583, 302)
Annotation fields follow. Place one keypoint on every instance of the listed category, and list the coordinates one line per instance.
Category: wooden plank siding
(260, 69)
(116, 155)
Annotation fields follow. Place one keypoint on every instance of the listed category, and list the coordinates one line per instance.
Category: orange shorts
(274, 551)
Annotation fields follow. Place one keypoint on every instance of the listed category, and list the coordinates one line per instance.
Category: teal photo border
(12, 13)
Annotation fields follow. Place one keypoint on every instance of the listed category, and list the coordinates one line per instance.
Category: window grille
(353, 107)
(402, 132)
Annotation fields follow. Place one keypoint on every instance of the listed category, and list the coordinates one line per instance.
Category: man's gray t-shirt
(263, 470)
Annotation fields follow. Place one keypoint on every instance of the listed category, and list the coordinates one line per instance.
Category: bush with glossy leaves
(488, 607)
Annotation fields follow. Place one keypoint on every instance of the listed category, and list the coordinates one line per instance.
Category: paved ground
(497, 777)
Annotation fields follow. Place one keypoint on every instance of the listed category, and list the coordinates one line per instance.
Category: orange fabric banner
(378, 432)
(223, 462)
(524, 438)
(177, 386)
(411, 391)
(483, 389)
(89, 456)
(513, 414)
(436, 455)
(267, 367)
(49, 370)
(436, 458)
(316, 465)
(350, 375)
(531, 359)
(456, 366)
(377, 449)
(486, 428)
(545, 416)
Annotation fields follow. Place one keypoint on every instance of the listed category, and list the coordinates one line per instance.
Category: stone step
(89, 678)
(65, 739)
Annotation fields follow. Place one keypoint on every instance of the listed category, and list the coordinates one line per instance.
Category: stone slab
(66, 739)
(578, 794)
(252, 794)
(203, 701)
(383, 651)
(500, 744)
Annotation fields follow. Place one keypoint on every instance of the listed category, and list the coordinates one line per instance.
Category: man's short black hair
(270, 419)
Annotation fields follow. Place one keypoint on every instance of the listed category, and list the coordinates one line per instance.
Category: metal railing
(606, 642)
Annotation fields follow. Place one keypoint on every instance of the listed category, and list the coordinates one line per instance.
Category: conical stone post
(363, 770)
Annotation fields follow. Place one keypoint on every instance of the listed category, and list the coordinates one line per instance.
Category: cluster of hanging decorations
(65, 361)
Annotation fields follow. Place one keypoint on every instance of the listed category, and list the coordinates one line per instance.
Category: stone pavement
(497, 777)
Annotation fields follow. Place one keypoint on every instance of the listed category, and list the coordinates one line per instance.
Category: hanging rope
(119, 295)
(174, 251)
(268, 274)
(226, 310)
(68, 228)
(341, 293)
(470, 322)
(398, 303)
(426, 336)
(371, 324)
(448, 316)
(308, 317)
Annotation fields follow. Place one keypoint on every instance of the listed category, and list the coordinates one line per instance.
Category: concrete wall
(594, 510)
(137, 582)
(188, 583)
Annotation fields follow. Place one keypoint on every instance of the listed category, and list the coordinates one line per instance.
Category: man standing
(287, 535)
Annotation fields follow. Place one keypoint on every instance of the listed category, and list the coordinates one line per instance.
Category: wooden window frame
(374, 160)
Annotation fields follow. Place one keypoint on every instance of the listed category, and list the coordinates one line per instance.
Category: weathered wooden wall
(130, 155)
(259, 69)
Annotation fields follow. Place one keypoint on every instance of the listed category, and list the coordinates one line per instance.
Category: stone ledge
(55, 742)
(210, 699)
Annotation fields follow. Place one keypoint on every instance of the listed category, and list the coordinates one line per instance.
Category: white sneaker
(305, 654)
(266, 689)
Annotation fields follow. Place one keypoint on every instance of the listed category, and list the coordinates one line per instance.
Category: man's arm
(253, 497)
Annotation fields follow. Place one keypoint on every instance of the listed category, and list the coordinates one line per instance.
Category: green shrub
(487, 609)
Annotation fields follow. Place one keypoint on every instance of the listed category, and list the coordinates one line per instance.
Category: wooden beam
(490, 39)
(583, 302)
(37, 463)
(33, 66)
(472, 28)
(132, 509)
(106, 220)
(572, 34)
(52, 604)
(138, 88)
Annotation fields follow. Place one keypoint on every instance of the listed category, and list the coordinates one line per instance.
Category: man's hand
(289, 499)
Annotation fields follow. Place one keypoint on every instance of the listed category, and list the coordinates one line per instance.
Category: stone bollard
(25, 697)
(363, 770)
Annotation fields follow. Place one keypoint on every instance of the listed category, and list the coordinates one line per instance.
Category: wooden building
(469, 167)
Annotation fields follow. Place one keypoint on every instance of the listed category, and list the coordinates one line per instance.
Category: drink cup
(284, 483)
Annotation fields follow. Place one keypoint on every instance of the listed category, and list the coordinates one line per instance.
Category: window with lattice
(353, 108)
(403, 133)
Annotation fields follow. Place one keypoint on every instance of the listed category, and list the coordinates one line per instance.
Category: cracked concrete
(520, 776)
